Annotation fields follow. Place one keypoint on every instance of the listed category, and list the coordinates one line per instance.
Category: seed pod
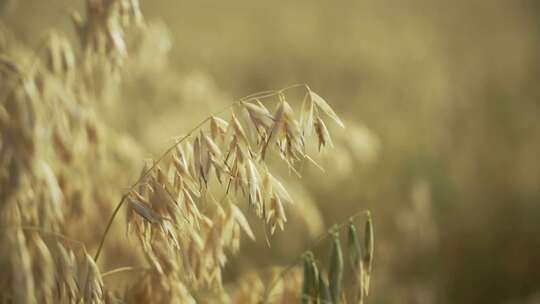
(368, 254)
(324, 290)
(308, 279)
(323, 106)
(353, 244)
(355, 255)
(315, 282)
(218, 128)
(212, 147)
(368, 244)
(310, 288)
(306, 115)
(92, 282)
(241, 220)
(239, 130)
(141, 206)
(335, 269)
(359, 297)
(323, 135)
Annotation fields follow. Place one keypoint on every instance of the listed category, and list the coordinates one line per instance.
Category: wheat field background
(441, 106)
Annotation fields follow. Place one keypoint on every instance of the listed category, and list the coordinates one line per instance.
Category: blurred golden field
(441, 106)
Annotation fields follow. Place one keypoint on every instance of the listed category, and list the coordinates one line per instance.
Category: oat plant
(187, 208)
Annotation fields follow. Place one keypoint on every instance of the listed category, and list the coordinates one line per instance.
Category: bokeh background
(442, 104)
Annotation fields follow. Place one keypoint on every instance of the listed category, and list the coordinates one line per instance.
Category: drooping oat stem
(281, 130)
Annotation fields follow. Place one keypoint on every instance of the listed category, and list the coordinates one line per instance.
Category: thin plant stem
(123, 269)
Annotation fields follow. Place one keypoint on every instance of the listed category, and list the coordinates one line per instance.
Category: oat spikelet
(323, 106)
(66, 263)
(322, 134)
(91, 281)
(368, 253)
(335, 269)
(43, 269)
(311, 280)
(356, 260)
(324, 289)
